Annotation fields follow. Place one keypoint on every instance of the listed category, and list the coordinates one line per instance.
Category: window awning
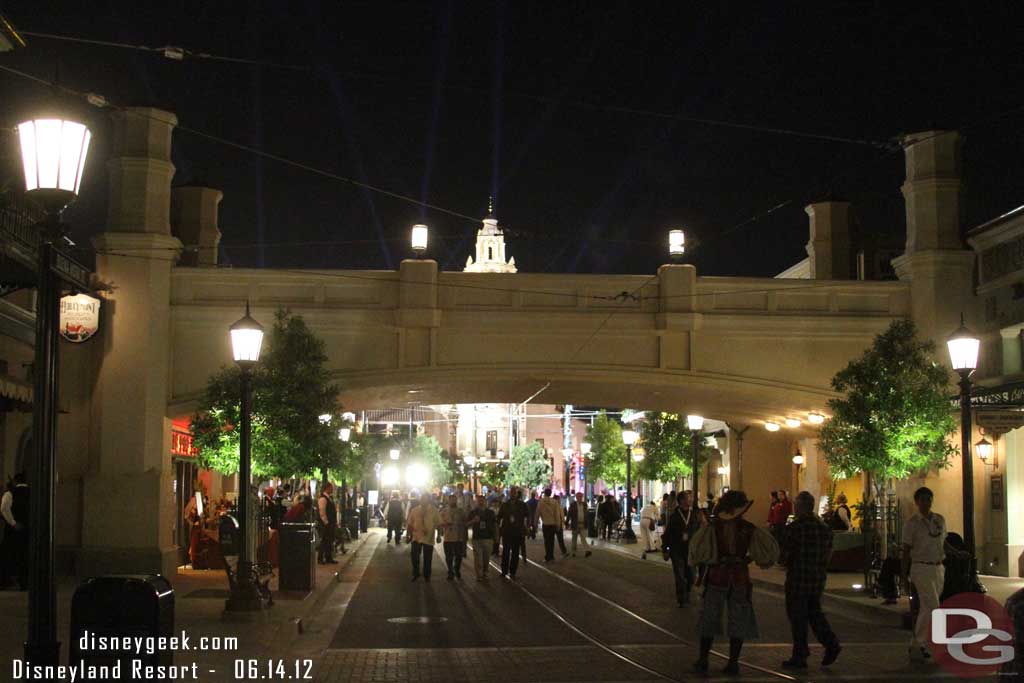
(15, 389)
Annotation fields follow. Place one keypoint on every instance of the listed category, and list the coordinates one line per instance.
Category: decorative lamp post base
(245, 596)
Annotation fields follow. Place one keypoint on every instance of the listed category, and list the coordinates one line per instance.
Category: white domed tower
(490, 248)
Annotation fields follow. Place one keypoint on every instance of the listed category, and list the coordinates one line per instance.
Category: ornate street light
(53, 153)
(419, 239)
(246, 342)
(629, 437)
(963, 355)
(676, 244)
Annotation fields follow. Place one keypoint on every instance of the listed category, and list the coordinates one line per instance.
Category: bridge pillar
(418, 315)
(127, 504)
(194, 222)
(678, 317)
(935, 262)
(829, 246)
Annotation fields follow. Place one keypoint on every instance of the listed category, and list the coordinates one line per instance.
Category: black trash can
(229, 535)
(122, 606)
(352, 522)
(592, 523)
(297, 571)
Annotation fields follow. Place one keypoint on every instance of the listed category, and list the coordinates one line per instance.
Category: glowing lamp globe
(629, 437)
(695, 422)
(676, 243)
(53, 153)
(345, 433)
(984, 449)
(500, 454)
(798, 459)
(963, 349)
(246, 340)
(585, 448)
(419, 238)
(771, 426)
(395, 454)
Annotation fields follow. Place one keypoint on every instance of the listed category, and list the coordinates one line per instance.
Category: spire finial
(490, 204)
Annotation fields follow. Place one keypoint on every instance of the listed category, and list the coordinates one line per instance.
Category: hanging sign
(79, 317)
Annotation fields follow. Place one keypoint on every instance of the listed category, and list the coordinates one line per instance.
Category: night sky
(543, 106)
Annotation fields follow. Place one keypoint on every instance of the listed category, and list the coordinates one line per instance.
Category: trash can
(352, 522)
(592, 523)
(136, 606)
(297, 570)
(229, 535)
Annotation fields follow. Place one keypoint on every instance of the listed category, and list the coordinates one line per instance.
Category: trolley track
(610, 648)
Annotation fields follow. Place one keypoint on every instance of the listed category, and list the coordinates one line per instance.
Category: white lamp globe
(53, 153)
(629, 437)
(246, 339)
(676, 243)
(695, 422)
(963, 349)
(419, 238)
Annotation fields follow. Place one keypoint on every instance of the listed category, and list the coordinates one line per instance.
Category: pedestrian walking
(326, 524)
(560, 529)
(781, 509)
(648, 527)
(806, 549)
(682, 524)
(512, 518)
(14, 512)
(727, 545)
(609, 511)
(394, 513)
(423, 521)
(923, 550)
(453, 528)
(577, 518)
(483, 523)
(532, 506)
(548, 512)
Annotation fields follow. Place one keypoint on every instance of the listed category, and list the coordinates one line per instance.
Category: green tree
(894, 417)
(290, 391)
(607, 459)
(491, 475)
(667, 444)
(528, 466)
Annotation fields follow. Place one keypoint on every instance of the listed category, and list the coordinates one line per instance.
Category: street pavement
(610, 617)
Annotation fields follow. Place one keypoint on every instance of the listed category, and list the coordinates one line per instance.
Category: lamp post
(470, 461)
(53, 153)
(696, 424)
(963, 355)
(629, 437)
(567, 454)
(246, 341)
(585, 449)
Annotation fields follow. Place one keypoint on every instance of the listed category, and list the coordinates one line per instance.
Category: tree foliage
(427, 451)
(528, 466)
(668, 446)
(290, 391)
(894, 417)
(607, 459)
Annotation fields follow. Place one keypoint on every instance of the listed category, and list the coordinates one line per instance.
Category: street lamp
(567, 454)
(676, 244)
(246, 341)
(53, 153)
(629, 437)
(395, 454)
(500, 454)
(345, 434)
(963, 355)
(419, 239)
(984, 449)
(696, 424)
(585, 449)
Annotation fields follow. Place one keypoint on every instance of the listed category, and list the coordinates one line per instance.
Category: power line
(171, 52)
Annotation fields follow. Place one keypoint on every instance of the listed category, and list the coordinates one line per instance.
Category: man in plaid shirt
(806, 549)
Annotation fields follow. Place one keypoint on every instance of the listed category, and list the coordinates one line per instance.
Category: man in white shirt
(422, 529)
(923, 550)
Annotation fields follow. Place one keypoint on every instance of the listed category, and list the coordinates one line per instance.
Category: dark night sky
(449, 102)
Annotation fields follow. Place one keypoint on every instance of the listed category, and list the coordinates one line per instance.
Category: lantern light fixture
(53, 153)
(500, 454)
(963, 349)
(246, 339)
(798, 459)
(676, 243)
(345, 433)
(419, 239)
(984, 449)
(695, 422)
(629, 437)
(395, 454)
(771, 426)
